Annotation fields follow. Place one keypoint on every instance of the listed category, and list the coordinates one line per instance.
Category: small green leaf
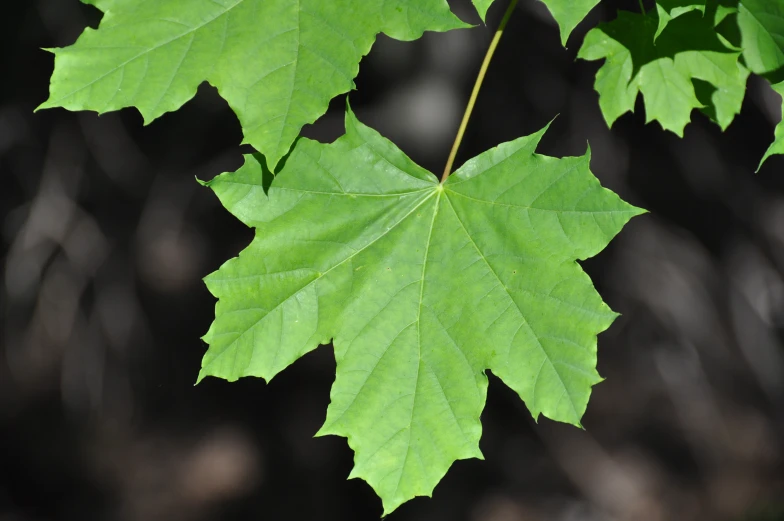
(761, 25)
(777, 147)
(664, 72)
(277, 62)
(421, 287)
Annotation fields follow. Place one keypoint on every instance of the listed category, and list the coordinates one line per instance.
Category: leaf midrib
(419, 338)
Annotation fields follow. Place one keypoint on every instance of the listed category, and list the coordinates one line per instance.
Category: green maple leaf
(567, 13)
(278, 63)
(761, 24)
(665, 71)
(670, 9)
(421, 287)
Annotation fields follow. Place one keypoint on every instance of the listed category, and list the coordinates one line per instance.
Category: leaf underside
(421, 288)
(688, 49)
(686, 55)
(278, 63)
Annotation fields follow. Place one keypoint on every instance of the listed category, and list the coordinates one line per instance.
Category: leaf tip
(611, 118)
(768, 153)
(351, 120)
(537, 136)
(639, 211)
(45, 105)
(676, 129)
(481, 10)
(202, 376)
(323, 431)
(565, 33)
(146, 120)
(391, 505)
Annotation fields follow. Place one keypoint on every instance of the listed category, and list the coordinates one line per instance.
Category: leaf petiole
(474, 93)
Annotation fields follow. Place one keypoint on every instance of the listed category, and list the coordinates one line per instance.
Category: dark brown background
(106, 236)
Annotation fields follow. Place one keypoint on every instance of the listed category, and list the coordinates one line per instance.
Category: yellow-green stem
(642, 7)
(477, 85)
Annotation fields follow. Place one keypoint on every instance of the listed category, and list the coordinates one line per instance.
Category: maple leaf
(278, 63)
(421, 287)
(761, 24)
(567, 13)
(664, 71)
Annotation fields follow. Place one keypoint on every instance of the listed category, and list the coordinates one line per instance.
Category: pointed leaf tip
(482, 7)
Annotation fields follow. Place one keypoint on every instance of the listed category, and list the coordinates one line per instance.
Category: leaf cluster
(421, 286)
(686, 55)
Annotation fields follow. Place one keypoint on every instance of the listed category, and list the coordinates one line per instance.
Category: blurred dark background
(106, 235)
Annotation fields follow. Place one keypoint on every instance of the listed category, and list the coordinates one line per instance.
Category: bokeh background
(105, 237)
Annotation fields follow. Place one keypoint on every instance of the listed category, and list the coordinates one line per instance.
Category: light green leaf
(421, 287)
(777, 147)
(664, 72)
(761, 25)
(278, 63)
(670, 9)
